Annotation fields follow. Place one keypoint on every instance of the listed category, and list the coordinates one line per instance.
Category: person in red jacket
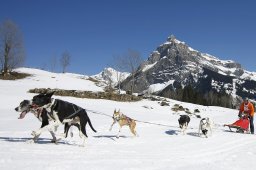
(248, 109)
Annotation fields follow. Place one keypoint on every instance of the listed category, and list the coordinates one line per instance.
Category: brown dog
(122, 121)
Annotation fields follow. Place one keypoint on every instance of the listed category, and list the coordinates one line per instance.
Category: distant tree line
(190, 95)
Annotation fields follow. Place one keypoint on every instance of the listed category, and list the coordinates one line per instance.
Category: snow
(209, 57)
(149, 66)
(112, 75)
(157, 147)
(249, 75)
(159, 86)
(44, 79)
(191, 49)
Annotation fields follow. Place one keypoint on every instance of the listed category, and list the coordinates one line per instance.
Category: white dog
(205, 127)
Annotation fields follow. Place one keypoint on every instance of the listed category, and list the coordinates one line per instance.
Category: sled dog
(205, 127)
(122, 121)
(183, 123)
(62, 112)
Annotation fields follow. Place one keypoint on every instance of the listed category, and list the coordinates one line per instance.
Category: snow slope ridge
(45, 79)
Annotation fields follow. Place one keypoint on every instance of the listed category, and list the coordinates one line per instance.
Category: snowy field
(157, 147)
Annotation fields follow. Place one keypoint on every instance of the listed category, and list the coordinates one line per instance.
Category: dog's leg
(55, 129)
(132, 129)
(112, 125)
(49, 127)
(54, 139)
(117, 136)
(199, 131)
(67, 127)
(81, 134)
(181, 129)
(82, 131)
(37, 133)
(84, 140)
(35, 138)
(71, 132)
(210, 127)
(185, 128)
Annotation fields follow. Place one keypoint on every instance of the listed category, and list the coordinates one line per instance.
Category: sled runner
(241, 125)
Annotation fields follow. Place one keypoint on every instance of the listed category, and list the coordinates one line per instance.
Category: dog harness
(37, 111)
(123, 117)
(76, 111)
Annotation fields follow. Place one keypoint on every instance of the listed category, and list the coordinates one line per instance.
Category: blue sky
(93, 31)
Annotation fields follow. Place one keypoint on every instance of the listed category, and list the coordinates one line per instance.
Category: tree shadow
(171, 132)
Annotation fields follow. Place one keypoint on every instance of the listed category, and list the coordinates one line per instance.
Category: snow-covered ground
(157, 147)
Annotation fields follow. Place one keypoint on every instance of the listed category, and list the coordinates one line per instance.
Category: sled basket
(241, 125)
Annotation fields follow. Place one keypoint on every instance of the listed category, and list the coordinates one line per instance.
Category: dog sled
(241, 125)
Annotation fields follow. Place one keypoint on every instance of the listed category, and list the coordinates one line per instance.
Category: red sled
(241, 125)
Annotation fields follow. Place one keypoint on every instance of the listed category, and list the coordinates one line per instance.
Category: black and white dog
(205, 127)
(26, 106)
(183, 123)
(62, 112)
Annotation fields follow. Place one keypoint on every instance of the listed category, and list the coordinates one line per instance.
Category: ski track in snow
(157, 147)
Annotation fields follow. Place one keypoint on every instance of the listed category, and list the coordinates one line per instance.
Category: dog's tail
(90, 124)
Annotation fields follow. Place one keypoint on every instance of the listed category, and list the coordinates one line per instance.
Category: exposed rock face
(174, 64)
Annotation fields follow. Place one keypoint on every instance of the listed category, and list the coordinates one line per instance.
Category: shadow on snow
(24, 140)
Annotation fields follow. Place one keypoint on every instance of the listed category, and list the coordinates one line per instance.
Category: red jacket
(247, 108)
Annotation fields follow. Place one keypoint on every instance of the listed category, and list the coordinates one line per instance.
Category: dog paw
(35, 134)
(55, 141)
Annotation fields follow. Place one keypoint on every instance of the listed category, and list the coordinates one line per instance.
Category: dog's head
(42, 99)
(24, 108)
(116, 114)
(182, 124)
(183, 121)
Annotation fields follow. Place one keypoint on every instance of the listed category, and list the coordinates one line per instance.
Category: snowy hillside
(44, 79)
(157, 147)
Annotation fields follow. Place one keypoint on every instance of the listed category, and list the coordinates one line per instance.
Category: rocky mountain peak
(174, 65)
(171, 38)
